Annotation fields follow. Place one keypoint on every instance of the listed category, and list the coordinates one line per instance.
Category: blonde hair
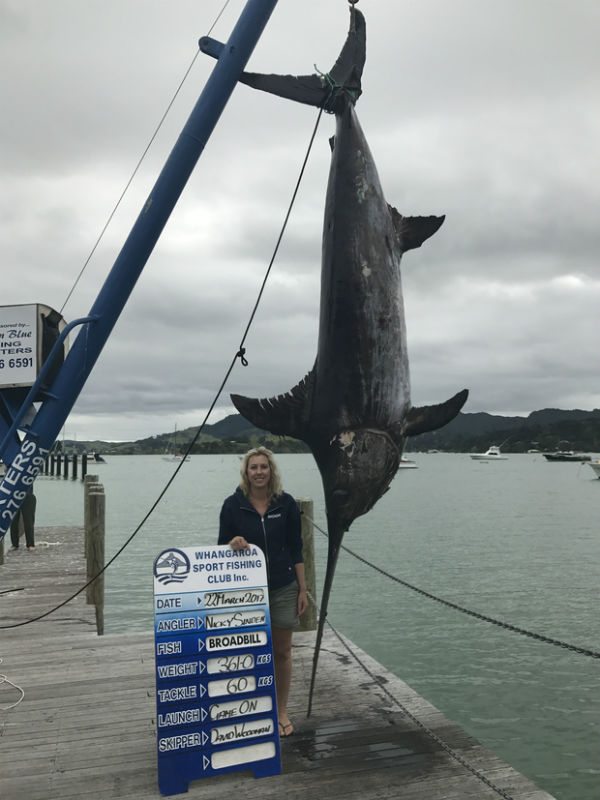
(275, 487)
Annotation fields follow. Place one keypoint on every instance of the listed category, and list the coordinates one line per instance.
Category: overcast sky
(488, 112)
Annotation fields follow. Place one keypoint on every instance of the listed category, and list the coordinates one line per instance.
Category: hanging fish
(353, 409)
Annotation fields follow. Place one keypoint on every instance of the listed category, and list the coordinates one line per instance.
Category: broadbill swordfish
(353, 409)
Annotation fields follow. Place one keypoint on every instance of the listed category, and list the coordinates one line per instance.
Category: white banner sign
(18, 345)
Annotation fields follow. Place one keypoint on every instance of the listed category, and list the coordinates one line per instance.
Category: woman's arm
(294, 532)
(228, 530)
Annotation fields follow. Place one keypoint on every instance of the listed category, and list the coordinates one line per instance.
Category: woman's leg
(282, 651)
(14, 529)
(28, 512)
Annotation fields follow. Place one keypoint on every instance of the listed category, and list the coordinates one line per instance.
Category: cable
(507, 626)
(446, 747)
(287, 216)
(380, 682)
(138, 165)
(4, 679)
(241, 355)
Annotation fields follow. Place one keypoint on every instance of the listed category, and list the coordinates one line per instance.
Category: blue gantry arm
(25, 459)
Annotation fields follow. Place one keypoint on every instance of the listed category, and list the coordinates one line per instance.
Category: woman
(261, 513)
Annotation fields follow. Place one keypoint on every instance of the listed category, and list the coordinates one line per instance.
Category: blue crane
(28, 431)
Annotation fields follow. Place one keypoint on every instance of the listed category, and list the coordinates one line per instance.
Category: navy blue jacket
(278, 533)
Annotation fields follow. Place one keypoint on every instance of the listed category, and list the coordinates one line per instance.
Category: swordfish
(353, 408)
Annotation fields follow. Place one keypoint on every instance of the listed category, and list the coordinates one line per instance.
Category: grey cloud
(481, 111)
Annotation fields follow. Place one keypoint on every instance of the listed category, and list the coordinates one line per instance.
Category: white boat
(595, 465)
(171, 455)
(406, 463)
(491, 454)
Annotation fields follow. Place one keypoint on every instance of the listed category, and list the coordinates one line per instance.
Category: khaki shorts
(283, 605)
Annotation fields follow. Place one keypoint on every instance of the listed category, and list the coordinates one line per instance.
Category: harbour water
(517, 540)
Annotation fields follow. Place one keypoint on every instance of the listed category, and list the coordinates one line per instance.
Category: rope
(446, 747)
(4, 679)
(239, 354)
(507, 626)
(380, 682)
(137, 166)
(279, 238)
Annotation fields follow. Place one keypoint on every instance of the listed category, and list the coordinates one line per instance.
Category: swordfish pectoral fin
(430, 418)
(413, 231)
(283, 415)
(319, 90)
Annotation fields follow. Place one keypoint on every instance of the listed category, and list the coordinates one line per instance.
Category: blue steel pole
(27, 461)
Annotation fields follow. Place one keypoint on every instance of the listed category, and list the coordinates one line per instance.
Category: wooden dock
(86, 725)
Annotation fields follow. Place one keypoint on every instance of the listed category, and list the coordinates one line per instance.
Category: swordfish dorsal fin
(430, 418)
(413, 231)
(321, 90)
(284, 415)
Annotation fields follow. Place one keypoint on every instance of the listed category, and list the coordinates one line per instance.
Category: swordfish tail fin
(322, 90)
(335, 541)
(430, 418)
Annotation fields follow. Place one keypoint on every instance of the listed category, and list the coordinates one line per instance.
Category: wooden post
(52, 464)
(96, 520)
(74, 473)
(308, 621)
(46, 465)
(58, 465)
(89, 481)
(83, 466)
(66, 466)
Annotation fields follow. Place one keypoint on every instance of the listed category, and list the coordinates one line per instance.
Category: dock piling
(308, 621)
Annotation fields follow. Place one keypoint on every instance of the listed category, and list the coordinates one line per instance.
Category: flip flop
(285, 730)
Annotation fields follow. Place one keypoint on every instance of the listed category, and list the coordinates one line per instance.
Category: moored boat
(567, 455)
(493, 453)
(406, 463)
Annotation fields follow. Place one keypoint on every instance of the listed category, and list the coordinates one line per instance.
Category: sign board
(27, 333)
(18, 345)
(216, 708)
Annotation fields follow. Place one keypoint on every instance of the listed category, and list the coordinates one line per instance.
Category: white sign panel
(18, 345)
(215, 682)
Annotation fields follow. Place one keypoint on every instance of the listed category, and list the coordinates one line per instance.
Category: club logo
(171, 566)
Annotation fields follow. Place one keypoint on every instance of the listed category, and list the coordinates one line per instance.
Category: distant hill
(546, 429)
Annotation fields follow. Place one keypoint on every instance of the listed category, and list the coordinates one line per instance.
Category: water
(517, 540)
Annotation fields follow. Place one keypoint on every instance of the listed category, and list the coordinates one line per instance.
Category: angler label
(214, 665)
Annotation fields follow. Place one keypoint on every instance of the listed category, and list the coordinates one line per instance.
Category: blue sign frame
(216, 704)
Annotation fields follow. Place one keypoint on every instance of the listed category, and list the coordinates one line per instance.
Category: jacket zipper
(264, 530)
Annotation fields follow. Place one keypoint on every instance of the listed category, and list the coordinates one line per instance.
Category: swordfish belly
(362, 374)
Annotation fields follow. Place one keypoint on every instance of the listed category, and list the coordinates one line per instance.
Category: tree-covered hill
(547, 429)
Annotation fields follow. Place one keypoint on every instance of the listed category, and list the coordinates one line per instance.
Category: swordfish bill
(353, 408)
